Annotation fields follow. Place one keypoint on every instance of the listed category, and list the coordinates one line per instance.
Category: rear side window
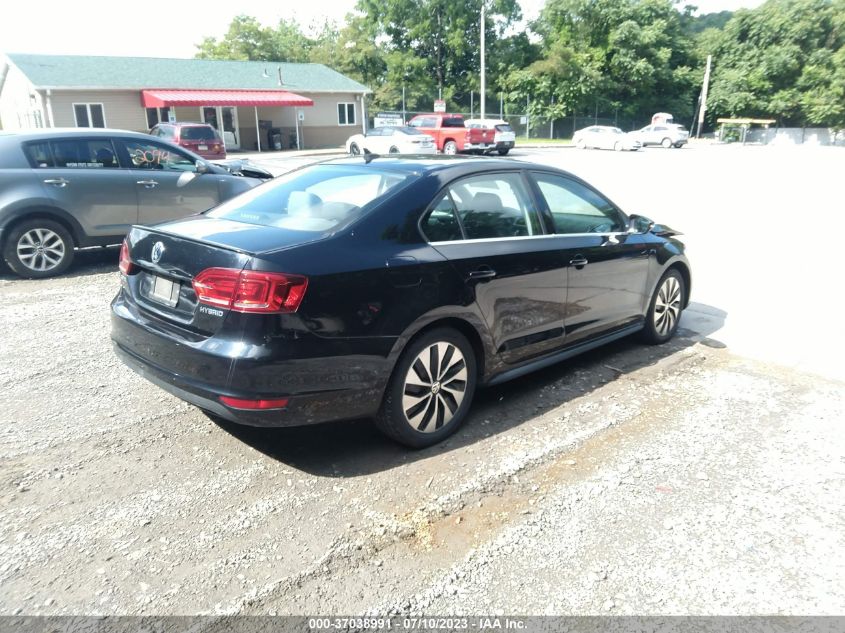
(495, 206)
(316, 199)
(84, 154)
(441, 224)
(197, 133)
(426, 121)
(453, 122)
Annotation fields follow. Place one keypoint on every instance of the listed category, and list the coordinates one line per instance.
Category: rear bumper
(477, 146)
(318, 390)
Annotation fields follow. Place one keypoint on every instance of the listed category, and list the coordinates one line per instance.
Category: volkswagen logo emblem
(158, 251)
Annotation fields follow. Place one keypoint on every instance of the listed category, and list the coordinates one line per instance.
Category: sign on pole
(439, 105)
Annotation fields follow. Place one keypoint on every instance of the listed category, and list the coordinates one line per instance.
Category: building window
(346, 114)
(89, 115)
(156, 116)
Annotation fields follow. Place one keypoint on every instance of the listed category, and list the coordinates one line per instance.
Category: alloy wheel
(667, 306)
(435, 386)
(41, 249)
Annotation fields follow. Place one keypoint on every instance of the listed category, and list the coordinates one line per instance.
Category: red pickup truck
(451, 136)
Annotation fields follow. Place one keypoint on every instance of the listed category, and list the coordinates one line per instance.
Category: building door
(224, 119)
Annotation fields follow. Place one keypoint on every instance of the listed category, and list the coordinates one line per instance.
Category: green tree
(784, 60)
(247, 39)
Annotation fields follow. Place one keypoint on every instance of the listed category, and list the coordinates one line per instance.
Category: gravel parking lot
(705, 476)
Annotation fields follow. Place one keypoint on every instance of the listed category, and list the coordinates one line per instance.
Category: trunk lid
(169, 256)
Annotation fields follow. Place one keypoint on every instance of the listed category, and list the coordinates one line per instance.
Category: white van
(505, 137)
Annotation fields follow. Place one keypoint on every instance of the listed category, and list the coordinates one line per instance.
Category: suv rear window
(314, 199)
(504, 127)
(197, 133)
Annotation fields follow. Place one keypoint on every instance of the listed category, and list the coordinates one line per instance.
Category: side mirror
(202, 167)
(639, 224)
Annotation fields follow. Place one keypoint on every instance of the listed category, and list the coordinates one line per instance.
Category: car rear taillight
(126, 266)
(250, 290)
(241, 403)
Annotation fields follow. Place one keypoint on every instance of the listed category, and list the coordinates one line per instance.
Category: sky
(172, 29)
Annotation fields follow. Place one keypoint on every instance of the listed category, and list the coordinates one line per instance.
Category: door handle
(57, 182)
(149, 184)
(579, 261)
(482, 274)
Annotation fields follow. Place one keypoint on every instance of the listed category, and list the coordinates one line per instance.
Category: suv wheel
(667, 143)
(431, 389)
(38, 248)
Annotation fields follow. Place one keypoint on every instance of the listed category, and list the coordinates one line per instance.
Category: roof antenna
(369, 156)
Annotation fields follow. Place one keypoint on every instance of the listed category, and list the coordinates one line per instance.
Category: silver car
(66, 189)
(605, 137)
(665, 134)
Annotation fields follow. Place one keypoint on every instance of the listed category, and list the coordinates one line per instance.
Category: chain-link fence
(538, 127)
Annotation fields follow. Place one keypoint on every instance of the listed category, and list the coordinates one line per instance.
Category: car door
(376, 140)
(83, 177)
(646, 135)
(607, 266)
(167, 184)
(489, 228)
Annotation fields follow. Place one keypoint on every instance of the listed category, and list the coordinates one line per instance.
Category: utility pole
(471, 104)
(403, 103)
(483, 69)
(703, 107)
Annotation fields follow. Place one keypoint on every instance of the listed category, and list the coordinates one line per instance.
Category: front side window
(89, 115)
(84, 154)
(495, 206)
(315, 199)
(151, 155)
(39, 154)
(577, 209)
(346, 114)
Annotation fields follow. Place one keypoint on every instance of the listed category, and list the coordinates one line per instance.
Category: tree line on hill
(628, 58)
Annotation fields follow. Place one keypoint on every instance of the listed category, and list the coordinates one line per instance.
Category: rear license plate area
(202, 147)
(164, 291)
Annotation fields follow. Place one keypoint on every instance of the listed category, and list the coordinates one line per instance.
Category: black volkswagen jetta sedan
(389, 288)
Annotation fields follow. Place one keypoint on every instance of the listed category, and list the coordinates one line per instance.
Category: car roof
(429, 163)
(79, 132)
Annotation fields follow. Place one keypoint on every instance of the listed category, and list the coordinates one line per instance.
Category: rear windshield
(318, 199)
(504, 127)
(197, 133)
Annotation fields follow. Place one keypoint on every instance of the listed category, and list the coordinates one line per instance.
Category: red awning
(161, 98)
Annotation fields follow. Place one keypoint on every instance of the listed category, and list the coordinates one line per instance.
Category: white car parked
(665, 134)
(391, 140)
(605, 137)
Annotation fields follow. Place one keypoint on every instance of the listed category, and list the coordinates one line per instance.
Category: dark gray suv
(67, 189)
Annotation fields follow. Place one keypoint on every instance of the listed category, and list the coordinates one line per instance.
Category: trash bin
(274, 138)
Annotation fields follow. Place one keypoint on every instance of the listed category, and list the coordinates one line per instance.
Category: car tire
(38, 248)
(679, 145)
(450, 148)
(503, 152)
(617, 146)
(581, 144)
(664, 311)
(393, 150)
(418, 411)
(354, 149)
(666, 142)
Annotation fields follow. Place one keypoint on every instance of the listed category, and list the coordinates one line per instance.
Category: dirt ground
(705, 476)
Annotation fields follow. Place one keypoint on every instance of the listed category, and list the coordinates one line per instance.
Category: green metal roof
(78, 71)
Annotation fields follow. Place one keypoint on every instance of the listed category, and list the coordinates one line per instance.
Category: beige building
(254, 105)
